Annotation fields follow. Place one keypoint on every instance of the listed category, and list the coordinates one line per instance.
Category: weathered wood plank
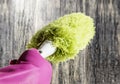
(106, 64)
(99, 63)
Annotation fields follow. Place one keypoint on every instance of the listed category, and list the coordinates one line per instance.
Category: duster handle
(47, 49)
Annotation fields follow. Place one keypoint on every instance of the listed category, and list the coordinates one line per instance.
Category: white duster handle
(47, 49)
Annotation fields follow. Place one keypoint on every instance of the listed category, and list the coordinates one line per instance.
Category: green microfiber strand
(70, 34)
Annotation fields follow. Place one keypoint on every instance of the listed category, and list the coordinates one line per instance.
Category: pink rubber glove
(30, 68)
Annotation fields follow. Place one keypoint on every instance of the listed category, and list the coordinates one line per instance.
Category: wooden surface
(99, 63)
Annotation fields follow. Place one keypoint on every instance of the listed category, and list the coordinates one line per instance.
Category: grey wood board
(99, 63)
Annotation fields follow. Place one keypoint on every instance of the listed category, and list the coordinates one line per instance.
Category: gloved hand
(30, 68)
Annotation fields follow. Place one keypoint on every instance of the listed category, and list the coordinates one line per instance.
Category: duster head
(70, 34)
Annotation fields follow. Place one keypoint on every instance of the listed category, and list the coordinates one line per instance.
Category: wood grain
(99, 63)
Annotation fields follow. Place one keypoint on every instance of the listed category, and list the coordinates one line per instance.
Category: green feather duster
(70, 34)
